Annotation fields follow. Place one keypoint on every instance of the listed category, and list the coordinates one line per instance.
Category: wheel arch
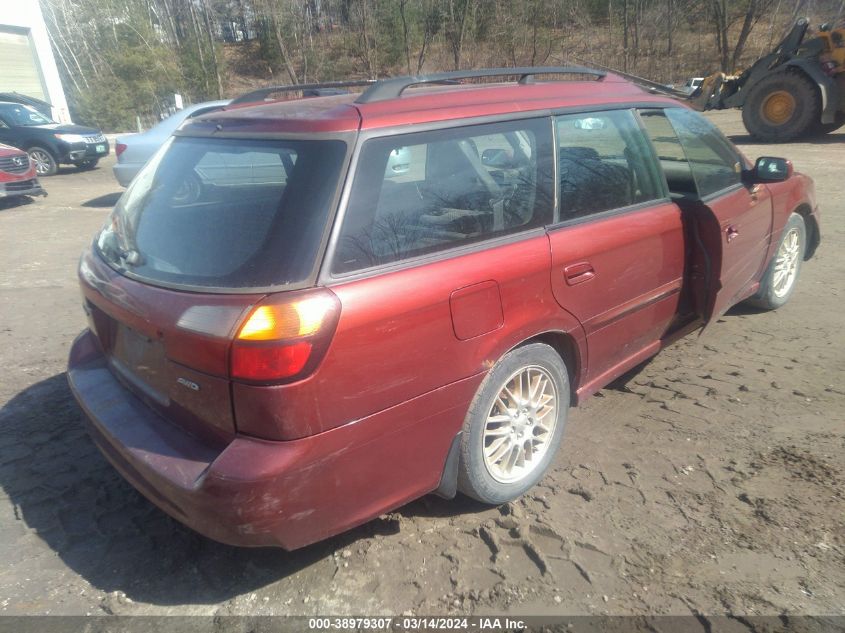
(825, 85)
(812, 228)
(42, 144)
(567, 348)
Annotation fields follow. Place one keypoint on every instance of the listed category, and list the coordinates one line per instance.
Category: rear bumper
(21, 188)
(255, 492)
(125, 172)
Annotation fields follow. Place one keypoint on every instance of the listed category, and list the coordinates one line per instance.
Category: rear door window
(421, 193)
(604, 163)
(226, 213)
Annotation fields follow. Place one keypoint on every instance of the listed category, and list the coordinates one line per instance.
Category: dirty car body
(287, 332)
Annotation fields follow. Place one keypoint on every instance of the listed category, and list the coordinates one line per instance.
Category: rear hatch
(207, 229)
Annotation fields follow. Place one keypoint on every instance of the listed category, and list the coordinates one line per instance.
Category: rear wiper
(130, 257)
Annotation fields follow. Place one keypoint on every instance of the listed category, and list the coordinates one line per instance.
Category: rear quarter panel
(396, 339)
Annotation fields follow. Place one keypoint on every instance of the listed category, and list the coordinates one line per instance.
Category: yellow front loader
(797, 90)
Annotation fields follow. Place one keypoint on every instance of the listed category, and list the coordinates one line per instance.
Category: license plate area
(101, 149)
(142, 360)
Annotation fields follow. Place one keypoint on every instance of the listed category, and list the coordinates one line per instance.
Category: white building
(27, 65)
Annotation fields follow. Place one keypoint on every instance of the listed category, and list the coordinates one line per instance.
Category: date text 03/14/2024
(412, 623)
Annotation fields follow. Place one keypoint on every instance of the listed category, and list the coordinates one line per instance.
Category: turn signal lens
(274, 322)
(285, 337)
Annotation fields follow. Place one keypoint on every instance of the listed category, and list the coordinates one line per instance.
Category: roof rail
(316, 90)
(393, 88)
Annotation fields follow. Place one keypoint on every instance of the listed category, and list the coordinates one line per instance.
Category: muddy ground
(710, 480)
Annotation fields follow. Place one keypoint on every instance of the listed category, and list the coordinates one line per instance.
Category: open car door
(733, 236)
(728, 222)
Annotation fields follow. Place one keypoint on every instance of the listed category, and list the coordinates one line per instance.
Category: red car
(288, 336)
(17, 174)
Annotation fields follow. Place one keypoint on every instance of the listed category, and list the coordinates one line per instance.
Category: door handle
(731, 232)
(579, 273)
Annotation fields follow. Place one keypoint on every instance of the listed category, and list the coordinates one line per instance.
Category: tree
(458, 17)
(725, 14)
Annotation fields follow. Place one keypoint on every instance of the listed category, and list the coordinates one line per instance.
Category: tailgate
(170, 348)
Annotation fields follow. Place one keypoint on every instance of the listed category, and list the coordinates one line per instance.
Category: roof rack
(309, 90)
(383, 89)
(393, 88)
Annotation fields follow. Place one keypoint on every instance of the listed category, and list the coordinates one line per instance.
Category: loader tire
(782, 107)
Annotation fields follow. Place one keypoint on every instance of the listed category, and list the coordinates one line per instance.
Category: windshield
(15, 114)
(225, 213)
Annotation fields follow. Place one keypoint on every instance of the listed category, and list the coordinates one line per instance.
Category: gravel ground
(710, 480)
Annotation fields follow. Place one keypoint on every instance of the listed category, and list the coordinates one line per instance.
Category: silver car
(134, 150)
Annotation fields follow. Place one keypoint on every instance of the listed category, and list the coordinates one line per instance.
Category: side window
(420, 193)
(670, 153)
(715, 163)
(604, 163)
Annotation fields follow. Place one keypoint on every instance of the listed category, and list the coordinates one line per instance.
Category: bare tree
(457, 23)
(432, 19)
(724, 15)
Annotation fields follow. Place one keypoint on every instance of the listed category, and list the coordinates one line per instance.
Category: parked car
(39, 104)
(692, 84)
(17, 174)
(134, 150)
(277, 359)
(50, 144)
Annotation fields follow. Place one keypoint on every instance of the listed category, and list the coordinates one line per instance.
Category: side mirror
(771, 169)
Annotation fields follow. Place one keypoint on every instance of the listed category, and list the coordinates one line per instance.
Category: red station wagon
(305, 313)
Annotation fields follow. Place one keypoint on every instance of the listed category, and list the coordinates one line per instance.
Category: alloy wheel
(42, 160)
(520, 424)
(786, 263)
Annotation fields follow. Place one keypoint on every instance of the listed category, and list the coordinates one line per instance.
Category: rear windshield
(225, 213)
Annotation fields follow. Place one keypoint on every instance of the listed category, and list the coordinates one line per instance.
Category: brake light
(119, 149)
(285, 337)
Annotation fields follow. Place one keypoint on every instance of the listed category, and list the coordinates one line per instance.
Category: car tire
(778, 282)
(513, 429)
(43, 159)
(85, 165)
(782, 107)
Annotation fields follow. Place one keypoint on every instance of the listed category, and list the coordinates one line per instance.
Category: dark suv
(288, 336)
(48, 143)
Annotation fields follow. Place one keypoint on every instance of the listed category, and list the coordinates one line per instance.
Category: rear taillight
(119, 149)
(284, 337)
